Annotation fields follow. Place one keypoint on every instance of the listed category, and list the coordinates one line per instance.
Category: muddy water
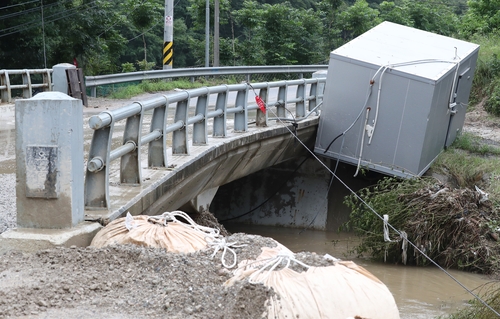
(419, 292)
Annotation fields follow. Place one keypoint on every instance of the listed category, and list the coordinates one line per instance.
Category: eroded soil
(133, 282)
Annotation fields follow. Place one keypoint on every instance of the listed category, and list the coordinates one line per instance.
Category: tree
(483, 17)
(144, 16)
(356, 20)
(438, 18)
(279, 34)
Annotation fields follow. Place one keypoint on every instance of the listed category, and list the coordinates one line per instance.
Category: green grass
(130, 91)
(488, 67)
(470, 162)
(152, 86)
(473, 144)
(490, 293)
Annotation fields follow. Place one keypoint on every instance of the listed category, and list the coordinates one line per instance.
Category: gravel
(132, 282)
(8, 212)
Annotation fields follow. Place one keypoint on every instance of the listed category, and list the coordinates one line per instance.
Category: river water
(420, 292)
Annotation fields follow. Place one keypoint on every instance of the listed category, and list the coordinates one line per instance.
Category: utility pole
(168, 35)
(216, 33)
(207, 34)
(43, 35)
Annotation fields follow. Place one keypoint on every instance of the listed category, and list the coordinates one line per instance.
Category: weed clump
(457, 228)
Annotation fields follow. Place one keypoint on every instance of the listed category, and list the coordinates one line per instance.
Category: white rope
(172, 216)
(404, 247)
(282, 256)
(130, 222)
(220, 243)
(386, 229)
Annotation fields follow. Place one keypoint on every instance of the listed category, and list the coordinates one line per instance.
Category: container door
(460, 100)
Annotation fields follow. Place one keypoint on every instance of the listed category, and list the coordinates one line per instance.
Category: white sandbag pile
(341, 291)
(164, 231)
(331, 289)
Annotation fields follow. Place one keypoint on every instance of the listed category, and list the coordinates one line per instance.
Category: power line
(34, 9)
(32, 24)
(19, 4)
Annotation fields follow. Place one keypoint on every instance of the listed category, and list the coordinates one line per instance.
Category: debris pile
(457, 228)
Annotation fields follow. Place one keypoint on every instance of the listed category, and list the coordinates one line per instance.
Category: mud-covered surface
(480, 123)
(133, 282)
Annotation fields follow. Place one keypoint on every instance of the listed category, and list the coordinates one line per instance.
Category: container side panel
(399, 133)
(345, 95)
(462, 87)
(438, 120)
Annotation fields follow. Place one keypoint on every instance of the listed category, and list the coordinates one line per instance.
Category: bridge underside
(206, 167)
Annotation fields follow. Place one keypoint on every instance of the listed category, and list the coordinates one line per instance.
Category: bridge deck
(221, 161)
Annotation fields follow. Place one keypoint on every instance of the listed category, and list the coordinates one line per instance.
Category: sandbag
(164, 231)
(344, 290)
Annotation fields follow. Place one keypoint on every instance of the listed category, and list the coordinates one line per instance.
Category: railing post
(97, 173)
(261, 117)
(220, 127)
(300, 107)
(27, 90)
(241, 118)
(49, 158)
(47, 80)
(282, 101)
(130, 163)
(318, 89)
(180, 145)
(200, 129)
(5, 81)
(157, 151)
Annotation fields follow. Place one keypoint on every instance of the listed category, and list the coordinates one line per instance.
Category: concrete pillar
(59, 77)
(49, 158)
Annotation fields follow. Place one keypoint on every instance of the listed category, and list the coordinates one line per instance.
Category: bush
(128, 67)
(145, 65)
(492, 104)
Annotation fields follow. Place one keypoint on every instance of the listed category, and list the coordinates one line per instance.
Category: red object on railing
(261, 104)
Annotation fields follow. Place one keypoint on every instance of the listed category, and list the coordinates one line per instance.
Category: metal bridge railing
(27, 86)
(187, 119)
(93, 82)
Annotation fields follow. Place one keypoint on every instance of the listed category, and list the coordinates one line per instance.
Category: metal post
(168, 35)
(207, 34)
(216, 33)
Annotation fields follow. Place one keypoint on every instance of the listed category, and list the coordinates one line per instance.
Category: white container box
(395, 97)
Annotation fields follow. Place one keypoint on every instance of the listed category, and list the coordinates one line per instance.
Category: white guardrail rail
(191, 125)
(92, 82)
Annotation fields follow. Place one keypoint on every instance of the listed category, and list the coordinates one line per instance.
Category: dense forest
(109, 36)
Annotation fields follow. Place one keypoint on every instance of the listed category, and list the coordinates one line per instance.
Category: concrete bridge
(144, 160)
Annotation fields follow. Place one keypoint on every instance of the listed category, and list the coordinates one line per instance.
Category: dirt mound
(128, 282)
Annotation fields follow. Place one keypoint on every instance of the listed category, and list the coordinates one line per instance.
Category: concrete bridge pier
(201, 202)
(298, 193)
(49, 174)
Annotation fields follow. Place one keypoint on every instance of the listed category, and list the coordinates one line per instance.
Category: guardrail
(27, 86)
(93, 82)
(101, 153)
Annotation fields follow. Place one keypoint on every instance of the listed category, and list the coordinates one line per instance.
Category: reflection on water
(420, 292)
